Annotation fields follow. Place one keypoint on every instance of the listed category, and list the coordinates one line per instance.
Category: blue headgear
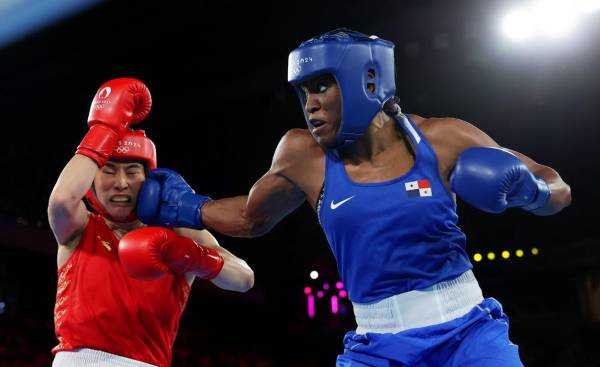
(349, 56)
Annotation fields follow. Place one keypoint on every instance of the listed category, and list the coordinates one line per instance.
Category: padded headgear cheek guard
(363, 67)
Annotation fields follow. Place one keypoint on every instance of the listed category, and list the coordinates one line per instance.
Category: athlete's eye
(321, 87)
(315, 88)
(317, 85)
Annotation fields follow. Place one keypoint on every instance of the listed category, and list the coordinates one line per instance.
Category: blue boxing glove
(493, 180)
(167, 200)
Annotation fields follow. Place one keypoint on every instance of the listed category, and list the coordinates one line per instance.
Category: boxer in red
(122, 287)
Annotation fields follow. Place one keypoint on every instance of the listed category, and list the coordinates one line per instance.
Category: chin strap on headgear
(391, 107)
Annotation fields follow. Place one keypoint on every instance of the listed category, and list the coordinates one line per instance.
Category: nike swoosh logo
(336, 205)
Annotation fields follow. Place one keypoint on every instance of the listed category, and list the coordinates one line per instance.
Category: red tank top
(99, 306)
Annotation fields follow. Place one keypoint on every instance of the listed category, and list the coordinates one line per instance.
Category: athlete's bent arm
(459, 136)
(149, 253)
(67, 214)
(131, 100)
(235, 275)
(560, 191)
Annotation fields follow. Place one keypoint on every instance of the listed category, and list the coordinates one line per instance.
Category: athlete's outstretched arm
(167, 200)
(271, 198)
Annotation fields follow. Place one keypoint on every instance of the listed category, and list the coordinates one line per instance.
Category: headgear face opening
(363, 67)
(133, 145)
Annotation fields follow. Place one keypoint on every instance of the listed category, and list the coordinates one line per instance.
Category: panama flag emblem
(418, 188)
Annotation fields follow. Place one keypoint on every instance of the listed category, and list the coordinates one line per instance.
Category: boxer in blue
(383, 186)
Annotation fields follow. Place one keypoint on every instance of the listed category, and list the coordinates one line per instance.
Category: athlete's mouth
(120, 199)
(315, 123)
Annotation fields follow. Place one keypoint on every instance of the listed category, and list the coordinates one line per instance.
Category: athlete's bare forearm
(229, 216)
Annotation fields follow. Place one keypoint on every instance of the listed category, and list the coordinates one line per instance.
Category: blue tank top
(395, 236)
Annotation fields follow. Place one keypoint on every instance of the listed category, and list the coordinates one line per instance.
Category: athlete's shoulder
(299, 139)
(436, 124)
(450, 136)
(298, 143)
(443, 128)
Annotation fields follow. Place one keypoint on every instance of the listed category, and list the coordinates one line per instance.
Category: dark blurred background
(217, 73)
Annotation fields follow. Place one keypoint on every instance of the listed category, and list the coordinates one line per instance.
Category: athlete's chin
(326, 142)
(120, 213)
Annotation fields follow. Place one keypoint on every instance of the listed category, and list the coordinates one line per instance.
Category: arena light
(334, 304)
(21, 18)
(314, 274)
(328, 295)
(505, 254)
(517, 25)
(589, 6)
(546, 18)
(554, 18)
(311, 306)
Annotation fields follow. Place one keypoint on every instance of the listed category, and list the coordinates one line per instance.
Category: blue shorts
(477, 339)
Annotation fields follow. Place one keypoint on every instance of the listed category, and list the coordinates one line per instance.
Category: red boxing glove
(118, 104)
(152, 252)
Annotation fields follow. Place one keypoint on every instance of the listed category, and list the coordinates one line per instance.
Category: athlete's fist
(118, 104)
(167, 200)
(493, 180)
(152, 252)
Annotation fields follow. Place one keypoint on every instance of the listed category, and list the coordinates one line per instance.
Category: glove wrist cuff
(190, 211)
(99, 143)
(213, 264)
(542, 196)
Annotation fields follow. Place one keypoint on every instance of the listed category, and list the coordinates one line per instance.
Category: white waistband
(439, 303)
(91, 357)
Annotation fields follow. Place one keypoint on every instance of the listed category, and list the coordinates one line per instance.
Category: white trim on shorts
(96, 358)
(434, 305)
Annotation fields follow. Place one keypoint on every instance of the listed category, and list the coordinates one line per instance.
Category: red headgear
(133, 145)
